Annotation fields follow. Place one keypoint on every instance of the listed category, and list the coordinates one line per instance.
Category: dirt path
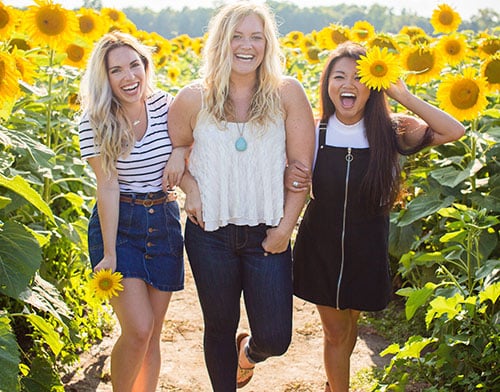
(299, 370)
(183, 366)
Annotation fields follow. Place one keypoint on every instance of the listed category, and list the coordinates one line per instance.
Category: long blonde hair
(112, 129)
(217, 64)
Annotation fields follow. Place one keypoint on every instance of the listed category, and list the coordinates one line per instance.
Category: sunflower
(115, 16)
(9, 87)
(362, 31)
(454, 48)
(294, 37)
(412, 31)
(331, 36)
(8, 19)
(106, 284)
(312, 54)
(25, 65)
(422, 63)
(90, 24)
(173, 73)
(488, 46)
(76, 55)
(50, 24)
(379, 68)
(490, 70)
(463, 96)
(445, 20)
(384, 41)
(421, 39)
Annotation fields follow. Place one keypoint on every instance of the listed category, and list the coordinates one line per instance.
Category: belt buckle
(147, 202)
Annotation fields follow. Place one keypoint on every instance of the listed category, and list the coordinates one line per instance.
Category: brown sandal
(244, 375)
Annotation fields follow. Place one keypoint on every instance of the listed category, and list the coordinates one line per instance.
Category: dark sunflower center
(51, 21)
(446, 18)
(4, 18)
(420, 61)
(105, 284)
(87, 24)
(75, 52)
(464, 94)
(492, 72)
(378, 69)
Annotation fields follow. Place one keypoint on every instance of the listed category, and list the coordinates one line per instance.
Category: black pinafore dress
(341, 252)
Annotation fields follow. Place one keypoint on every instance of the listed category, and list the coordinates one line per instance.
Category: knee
(337, 335)
(270, 346)
(140, 333)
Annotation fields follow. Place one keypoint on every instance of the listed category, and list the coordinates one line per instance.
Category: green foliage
(446, 237)
(47, 317)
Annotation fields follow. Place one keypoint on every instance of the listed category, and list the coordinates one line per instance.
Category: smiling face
(248, 45)
(347, 93)
(126, 75)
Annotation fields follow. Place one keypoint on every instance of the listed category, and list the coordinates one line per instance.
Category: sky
(466, 8)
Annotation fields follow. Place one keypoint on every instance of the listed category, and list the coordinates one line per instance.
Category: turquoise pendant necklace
(241, 143)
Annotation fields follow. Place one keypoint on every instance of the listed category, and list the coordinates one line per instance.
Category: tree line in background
(193, 22)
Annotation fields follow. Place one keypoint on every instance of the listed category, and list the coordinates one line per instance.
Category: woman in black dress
(341, 251)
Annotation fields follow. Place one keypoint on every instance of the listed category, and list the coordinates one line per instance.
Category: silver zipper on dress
(348, 159)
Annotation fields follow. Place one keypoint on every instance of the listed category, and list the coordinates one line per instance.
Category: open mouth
(131, 87)
(347, 99)
(245, 57)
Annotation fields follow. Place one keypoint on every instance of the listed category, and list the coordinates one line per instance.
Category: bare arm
(181, 122)
(108, 204)
(299, 124)
(444, 127)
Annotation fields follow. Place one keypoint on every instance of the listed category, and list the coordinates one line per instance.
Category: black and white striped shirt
(142, 170)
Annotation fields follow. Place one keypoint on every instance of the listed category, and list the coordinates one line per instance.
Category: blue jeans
(225, 263)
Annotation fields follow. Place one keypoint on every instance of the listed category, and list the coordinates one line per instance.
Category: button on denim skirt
(149, 244)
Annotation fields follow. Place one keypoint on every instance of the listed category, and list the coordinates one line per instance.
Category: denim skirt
(149, 244)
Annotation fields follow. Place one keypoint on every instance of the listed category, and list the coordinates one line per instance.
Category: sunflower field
(444, 230)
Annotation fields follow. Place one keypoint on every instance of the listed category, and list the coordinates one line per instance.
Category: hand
(192, 206)
(107, 262)
(276, 240)
(174, 169)
(397, 90)
(297, 177)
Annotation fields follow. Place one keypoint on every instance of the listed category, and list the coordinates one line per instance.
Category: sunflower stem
(48, 126)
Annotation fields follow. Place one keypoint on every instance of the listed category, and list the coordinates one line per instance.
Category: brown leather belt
(147, 202)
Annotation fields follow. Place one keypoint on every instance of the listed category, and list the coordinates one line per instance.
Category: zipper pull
(349, 157)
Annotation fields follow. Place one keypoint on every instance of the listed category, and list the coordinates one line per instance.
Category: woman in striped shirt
(134, 227)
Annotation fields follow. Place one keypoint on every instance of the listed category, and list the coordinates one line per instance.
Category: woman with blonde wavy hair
(135, 225)
(243, 121)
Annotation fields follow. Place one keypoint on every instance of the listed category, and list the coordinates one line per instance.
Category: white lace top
(239, 187)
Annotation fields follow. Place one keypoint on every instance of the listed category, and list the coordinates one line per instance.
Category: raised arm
(444, 127)
(299, 124)
(108, 205)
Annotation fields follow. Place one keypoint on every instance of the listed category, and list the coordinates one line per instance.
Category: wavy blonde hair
(112, 129)
(216, 68)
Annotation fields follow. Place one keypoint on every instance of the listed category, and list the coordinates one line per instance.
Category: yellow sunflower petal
(445, 20)
(490, 70)
(49, 24)
(463, 95)
(106, 284)
(379, 68)
(421, 63)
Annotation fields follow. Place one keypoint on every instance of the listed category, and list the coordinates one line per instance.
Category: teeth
(244, 56)
(131, 87)
(348, 95)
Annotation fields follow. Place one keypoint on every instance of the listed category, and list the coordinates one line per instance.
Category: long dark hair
(381, 182)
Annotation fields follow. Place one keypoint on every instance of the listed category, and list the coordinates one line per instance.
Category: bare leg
(135, 312)
(147, 379)
(340, 328)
